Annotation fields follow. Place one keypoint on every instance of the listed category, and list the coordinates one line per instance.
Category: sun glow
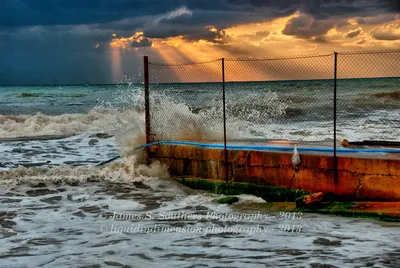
(116, 64)
(125, 42)
(266, 39)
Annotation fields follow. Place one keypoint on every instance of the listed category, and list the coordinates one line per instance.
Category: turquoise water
(18, 100)
(294, 110)
(59, 210)
(298, 111)
(53, 100)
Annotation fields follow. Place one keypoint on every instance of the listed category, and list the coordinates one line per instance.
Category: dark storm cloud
(126, 17)
(392, 5)
(354, 33)
(380, 19)
(141, 42)
(319, 39)
(73, 12)
(323, 9)
(78, 37)
(130, 16)
(319, 16)
(388, 33)
(306, 26)
(61, 35)
(69, 12)
(193, 26)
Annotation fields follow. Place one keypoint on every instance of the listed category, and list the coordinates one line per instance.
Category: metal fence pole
(335, 162)
(224, 115)
(147, 104)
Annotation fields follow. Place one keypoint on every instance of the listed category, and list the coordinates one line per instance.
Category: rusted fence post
(335, 162)
(147, 105)
(226, 173)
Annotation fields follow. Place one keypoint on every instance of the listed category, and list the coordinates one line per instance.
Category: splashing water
(64, 215)
(128, 171)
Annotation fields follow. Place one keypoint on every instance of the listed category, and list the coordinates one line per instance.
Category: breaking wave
(395, 95)
(179, 115)
(175, 119)
(98, 119)
(171, 117)
(128, 171)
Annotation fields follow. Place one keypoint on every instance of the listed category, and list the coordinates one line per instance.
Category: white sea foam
(80, 149)
(259, 116)
(42, 220)
(244, 198)
(98, 119)
(127, 171)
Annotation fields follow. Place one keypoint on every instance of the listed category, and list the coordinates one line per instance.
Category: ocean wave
(254, 115)
(175, 118)
(30, 95)
(395, 95)
(366, 101)
(55, 95)
(128, 171)
(98, 119)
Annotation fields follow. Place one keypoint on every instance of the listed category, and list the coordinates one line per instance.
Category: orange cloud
(387, 32)
(173, 41)
(354, 33)
(212, 29)
(271, 38)
(136, 40)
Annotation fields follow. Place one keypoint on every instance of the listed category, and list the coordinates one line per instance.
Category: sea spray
(295, 157)
(173, 116)
(175, 121)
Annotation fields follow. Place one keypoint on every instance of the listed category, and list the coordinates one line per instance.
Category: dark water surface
(142, 224)
(59, 211)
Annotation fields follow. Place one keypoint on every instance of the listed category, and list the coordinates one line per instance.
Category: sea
(58, 209)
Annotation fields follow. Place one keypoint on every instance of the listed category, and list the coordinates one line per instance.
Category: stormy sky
(100, 41)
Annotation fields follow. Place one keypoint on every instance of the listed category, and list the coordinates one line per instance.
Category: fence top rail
(363, 52)
(183, 64)
(281, 58)
(384, 51)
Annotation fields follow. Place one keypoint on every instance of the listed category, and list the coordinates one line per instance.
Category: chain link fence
(281, 100)
(368, 96)
(186, 101)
